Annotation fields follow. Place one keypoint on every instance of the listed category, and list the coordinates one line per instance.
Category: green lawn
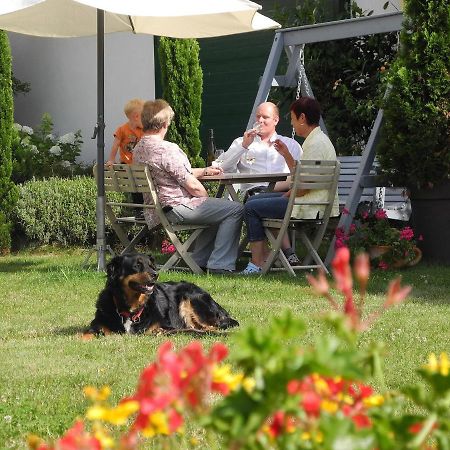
(47, 298)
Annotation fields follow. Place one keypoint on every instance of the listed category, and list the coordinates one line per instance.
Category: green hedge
(59, 211)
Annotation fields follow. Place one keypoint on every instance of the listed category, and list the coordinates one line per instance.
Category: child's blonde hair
(134, 104)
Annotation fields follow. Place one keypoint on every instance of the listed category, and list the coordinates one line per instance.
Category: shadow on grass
(72, 330)
(16, 266)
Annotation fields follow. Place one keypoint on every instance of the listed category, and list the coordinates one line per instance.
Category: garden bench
(392, 199)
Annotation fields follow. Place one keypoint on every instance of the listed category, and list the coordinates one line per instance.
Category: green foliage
(47, 298)
(182, 81)
(20, 87)
(8, 191)
(373, 229)
(415, 147)
(344, 75)
(61, 211)
(40, 154)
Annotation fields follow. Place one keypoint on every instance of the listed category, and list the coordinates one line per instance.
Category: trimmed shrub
(8, 191)
(415, 147)
(182, 80)
(60, 211)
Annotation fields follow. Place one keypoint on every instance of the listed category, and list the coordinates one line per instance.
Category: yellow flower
(249, 384)
(157, 424)
(223, 375)
(34, 441)
(434, 365)
(116, 416)
(97, 395)
(103, 436)
(320, 384)
(373, 400)
(444, 366)
(305, 436)
(329, 406)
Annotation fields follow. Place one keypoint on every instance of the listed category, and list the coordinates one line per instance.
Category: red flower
(380, 214)
(406, 233)
(361, 421)
(311, 403)
(76, 438)
(341, 270)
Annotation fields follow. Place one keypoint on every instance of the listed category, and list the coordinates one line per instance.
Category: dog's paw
(87, 336)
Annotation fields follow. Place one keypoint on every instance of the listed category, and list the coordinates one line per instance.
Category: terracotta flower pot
(405, 263)
(378, 250)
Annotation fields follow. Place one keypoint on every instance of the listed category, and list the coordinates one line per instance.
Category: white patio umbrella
(173, 18)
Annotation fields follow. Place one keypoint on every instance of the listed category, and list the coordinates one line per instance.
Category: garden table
(228, 180)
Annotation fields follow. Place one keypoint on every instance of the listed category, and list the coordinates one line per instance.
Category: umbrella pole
(100, 129)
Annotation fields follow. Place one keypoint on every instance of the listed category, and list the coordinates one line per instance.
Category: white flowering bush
(41, 154)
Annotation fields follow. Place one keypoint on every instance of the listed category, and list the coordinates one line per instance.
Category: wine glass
(256, 127)
(218, 158)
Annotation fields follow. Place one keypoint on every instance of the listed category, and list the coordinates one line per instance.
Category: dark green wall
(232, 67)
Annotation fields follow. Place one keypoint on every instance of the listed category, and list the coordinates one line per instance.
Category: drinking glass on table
(218, 158)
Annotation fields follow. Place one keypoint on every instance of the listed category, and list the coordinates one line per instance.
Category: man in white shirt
(254, 151)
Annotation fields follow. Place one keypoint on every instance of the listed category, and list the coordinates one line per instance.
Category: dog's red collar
(133, 317)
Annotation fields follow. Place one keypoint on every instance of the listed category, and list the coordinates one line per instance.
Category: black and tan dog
(133, 302)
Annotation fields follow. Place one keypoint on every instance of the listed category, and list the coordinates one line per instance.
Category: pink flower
(383, 265)
(167, 247)
(345, 212)
(364, 214)
(319, 284)
(362, 269)
(380, 214)
(341, 270)
(420, 238)
(406, 233)
(396, 293)
(352, 228)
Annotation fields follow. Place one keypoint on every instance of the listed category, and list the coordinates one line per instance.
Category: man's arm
(230, 159)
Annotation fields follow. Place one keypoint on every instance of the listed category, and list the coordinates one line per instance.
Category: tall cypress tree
(8, 191)
(182, 82)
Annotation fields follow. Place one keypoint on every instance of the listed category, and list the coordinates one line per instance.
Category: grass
(47, 298)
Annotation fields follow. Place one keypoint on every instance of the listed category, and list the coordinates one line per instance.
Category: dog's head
(135, 274)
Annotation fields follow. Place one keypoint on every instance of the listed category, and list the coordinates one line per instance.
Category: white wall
(63, 77)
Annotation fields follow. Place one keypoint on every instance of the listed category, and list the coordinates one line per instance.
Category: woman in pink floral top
(179, 188)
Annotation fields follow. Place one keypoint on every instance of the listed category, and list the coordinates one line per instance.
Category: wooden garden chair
(136, 178)
(311, 175)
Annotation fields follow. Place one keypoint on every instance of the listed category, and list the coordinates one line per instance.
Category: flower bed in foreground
(274, 394)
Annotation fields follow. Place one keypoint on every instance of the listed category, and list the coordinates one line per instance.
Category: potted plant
(387, 246)
(415, 142)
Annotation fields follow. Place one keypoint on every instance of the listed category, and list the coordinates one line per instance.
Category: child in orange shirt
(125, 139)
(128, 134)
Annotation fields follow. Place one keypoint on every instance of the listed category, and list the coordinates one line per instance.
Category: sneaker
(251, 269)
(293, 260)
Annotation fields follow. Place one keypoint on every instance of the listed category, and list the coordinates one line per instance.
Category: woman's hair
(134, 104)
(156, 114)
(310, 107)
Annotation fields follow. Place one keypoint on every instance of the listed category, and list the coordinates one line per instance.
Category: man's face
(267, 117)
